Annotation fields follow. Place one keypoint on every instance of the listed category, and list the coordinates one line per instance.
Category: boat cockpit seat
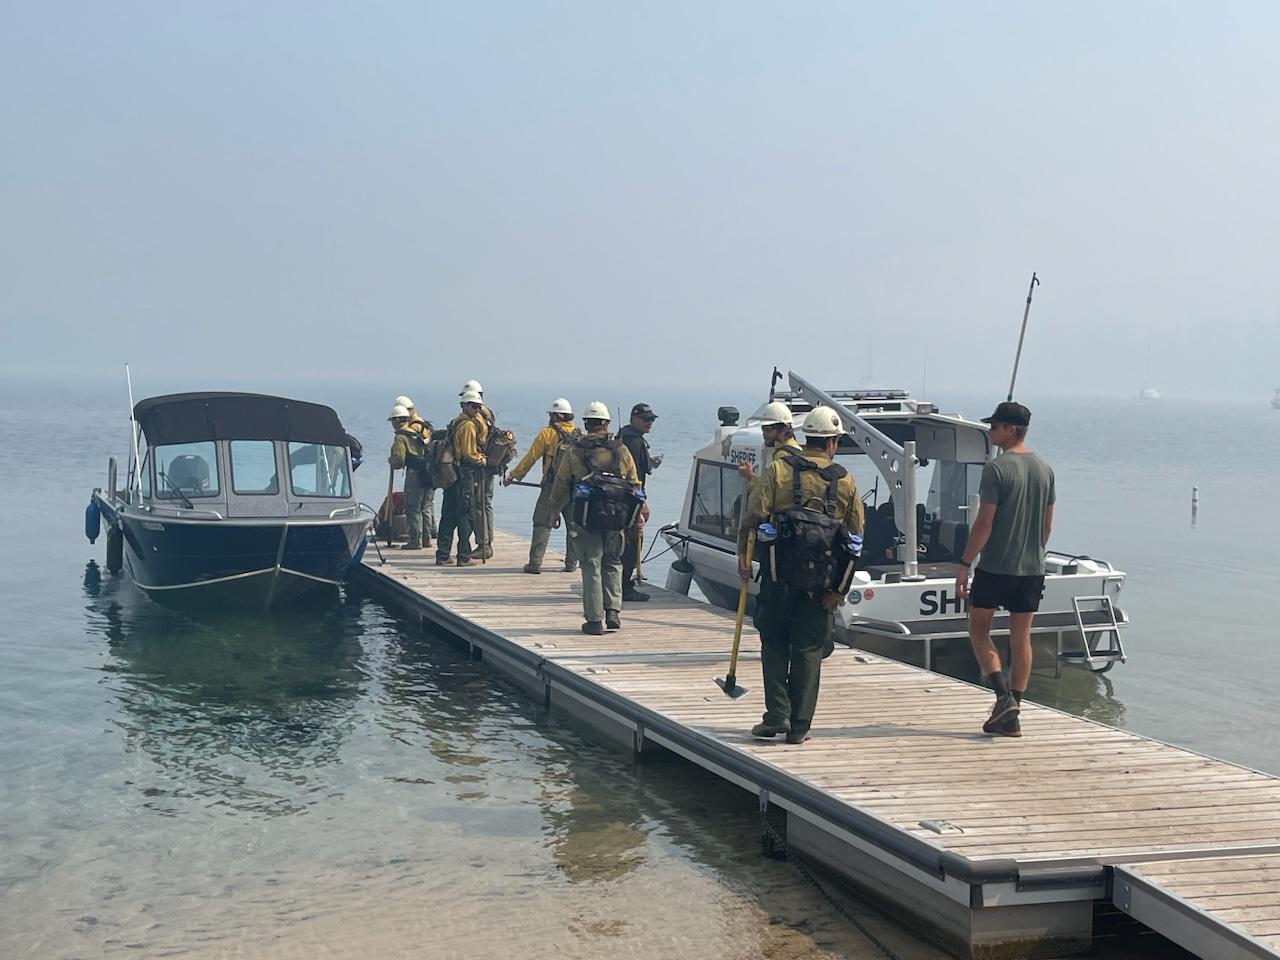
(953, 537)
(188, 473)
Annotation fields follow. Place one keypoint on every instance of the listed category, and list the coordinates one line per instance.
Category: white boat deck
(986, 841)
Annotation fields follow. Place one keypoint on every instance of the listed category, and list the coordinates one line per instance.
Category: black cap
(1010, 412)
(643, 410)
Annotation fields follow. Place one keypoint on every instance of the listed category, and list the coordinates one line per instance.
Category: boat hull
(923, 623)
(260, 563)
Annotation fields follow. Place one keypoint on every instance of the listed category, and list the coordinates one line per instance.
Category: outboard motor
(93, 520)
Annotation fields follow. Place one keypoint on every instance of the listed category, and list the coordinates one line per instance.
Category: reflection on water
(235, 709)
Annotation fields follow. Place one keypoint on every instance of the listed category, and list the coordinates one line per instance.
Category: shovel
(729, 683)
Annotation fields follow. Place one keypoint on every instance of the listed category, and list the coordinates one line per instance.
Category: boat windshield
(319, 470)
(186, 470)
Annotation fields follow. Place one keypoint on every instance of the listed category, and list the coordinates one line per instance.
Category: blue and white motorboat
(234, 497)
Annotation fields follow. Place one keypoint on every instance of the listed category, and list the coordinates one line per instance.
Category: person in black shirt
(633, 436)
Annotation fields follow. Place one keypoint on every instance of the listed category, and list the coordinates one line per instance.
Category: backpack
(565, 442)
(604, 500)
(441, 468)
(813, 551)
(499, 447)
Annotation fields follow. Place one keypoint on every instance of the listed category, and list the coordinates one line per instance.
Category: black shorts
(1015, 594)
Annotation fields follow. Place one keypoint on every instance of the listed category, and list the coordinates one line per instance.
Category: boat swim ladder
(1103, 659)
(897, 464)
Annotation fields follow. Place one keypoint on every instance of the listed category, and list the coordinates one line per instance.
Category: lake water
(327, 781)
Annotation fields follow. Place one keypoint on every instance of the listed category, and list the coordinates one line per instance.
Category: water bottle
(640, 496)
(581, 491)
(766, 533)
(853, 544)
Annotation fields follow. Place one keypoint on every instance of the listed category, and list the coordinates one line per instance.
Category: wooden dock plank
(1218, 906)
(901, 744)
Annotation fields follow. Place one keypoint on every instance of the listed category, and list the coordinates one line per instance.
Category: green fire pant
(600, 554)
(417, 499)
(795, 637)
(542, 532)
(457, 514)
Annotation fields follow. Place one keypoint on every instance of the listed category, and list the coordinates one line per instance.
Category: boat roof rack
(867, 393)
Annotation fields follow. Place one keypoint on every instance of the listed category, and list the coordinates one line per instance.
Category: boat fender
(680, 577)
(115, 549)
(92, 520)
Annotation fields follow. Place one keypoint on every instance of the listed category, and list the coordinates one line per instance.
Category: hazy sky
(690, 191)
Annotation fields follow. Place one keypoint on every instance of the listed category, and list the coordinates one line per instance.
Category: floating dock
(991, 847)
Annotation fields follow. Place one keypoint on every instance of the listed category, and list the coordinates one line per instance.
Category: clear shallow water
(327, 781)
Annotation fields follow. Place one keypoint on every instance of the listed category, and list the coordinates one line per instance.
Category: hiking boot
(442, 561)
(1006, 705)
(1006, 726)
(427, 543)
(612, 621)
(593, 627)
(531, 568)
(767, 731)
(569, 567)
(469, 562)
(796, 736)
(487, 553)
(631, 595)
(410, 546)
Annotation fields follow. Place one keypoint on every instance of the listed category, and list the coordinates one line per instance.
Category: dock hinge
(764, 801)
(639, 737)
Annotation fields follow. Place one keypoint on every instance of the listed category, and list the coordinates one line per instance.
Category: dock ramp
(1223, 908)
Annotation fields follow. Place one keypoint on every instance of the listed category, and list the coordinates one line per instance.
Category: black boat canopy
(190, 417)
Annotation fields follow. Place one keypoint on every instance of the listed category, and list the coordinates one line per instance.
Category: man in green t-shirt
(1008, 540)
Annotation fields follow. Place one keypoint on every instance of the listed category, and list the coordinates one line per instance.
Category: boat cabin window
(145, 475)
(718, 499)
(186, 470)
(253, 467)
(319, 470)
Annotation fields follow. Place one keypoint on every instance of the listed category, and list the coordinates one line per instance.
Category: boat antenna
(773, 382)
(1025, 313)
(136, 479)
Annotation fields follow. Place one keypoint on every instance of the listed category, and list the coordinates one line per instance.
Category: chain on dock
(779, 847)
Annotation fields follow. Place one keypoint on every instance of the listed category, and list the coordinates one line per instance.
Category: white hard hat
(399, 412)
(560, 405)
(596, 411)
(775, 414)
(403, 401)
(472, 386)
(822, 422)
(469, 396)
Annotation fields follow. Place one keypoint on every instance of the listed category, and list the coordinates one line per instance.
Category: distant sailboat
(1148, 392)
(1275, 401)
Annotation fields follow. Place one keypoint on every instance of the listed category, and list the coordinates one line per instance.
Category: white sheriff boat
(902, 602)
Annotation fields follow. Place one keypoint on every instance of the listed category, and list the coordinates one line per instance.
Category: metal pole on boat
(909, 548)
(1025, 313)
(133, 433)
